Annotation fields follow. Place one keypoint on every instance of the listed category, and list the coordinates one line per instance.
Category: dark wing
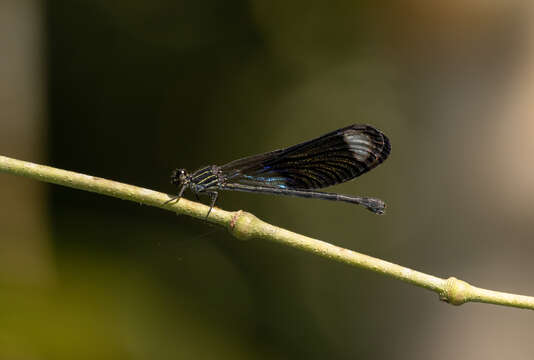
(331, 159)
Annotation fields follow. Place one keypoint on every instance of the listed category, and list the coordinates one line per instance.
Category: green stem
(246, 226)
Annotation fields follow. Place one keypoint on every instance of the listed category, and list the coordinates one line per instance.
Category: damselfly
(298, 170)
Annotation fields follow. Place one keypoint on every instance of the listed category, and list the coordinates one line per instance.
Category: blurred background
(129, 90)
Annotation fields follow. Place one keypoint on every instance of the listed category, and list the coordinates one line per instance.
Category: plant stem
(246, 226)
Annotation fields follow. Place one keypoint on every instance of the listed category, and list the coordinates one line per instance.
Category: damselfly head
(180, 177)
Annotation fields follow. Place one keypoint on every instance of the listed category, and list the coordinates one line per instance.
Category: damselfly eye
(178, 176)
(183, 176)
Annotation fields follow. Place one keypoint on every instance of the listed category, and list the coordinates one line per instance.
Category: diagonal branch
(246, 226)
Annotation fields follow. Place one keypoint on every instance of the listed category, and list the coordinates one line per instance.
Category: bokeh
(130, 90)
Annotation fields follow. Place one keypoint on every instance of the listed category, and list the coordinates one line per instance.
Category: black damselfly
(331, 159)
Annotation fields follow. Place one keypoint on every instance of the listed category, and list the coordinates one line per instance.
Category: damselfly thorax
(331, 159)
(205, 179)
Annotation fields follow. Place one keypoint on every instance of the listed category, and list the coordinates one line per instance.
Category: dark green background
(137, 88)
